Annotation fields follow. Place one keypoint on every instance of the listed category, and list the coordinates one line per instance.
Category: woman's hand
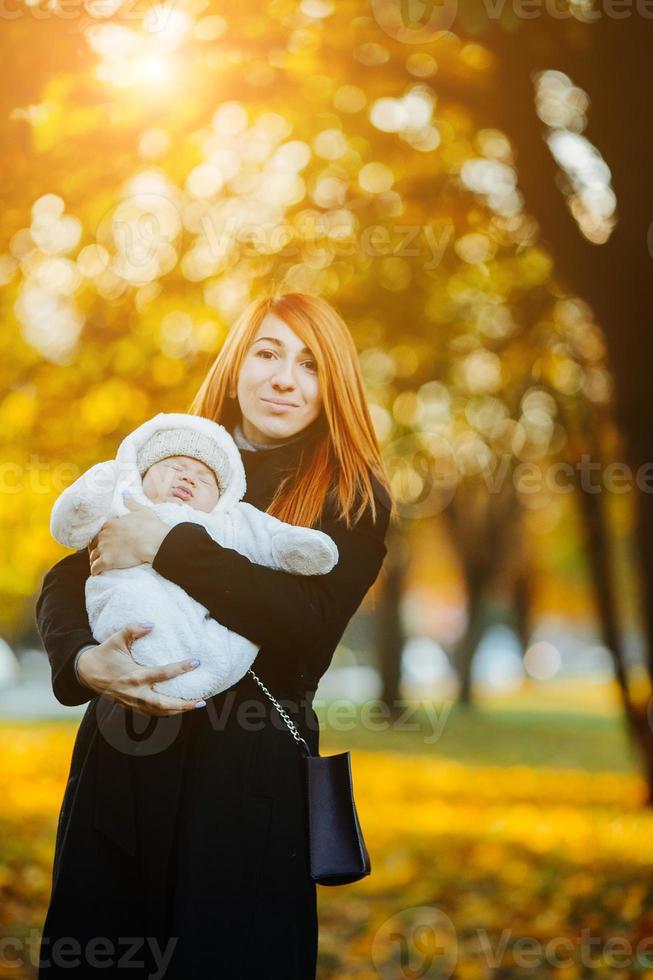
(110, 669)
(132, 539)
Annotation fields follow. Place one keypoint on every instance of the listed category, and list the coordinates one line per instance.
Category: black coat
(188, 833)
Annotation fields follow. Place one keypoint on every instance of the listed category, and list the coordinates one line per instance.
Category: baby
(185, 468)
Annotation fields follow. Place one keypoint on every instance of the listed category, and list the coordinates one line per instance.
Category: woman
(182, 844)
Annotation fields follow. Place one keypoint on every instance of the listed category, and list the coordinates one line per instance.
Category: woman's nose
(284, 376)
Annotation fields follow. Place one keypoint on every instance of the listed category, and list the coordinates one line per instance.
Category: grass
(564, 726)
(525, 728)
(493, 736)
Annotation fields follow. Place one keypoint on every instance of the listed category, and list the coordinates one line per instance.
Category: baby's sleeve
(83, 507)
(266, 540)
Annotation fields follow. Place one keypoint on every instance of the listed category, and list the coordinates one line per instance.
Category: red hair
(347, 455)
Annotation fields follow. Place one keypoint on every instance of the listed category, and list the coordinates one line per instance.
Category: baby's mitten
(304, 551)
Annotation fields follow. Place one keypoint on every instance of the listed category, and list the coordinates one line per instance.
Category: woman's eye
(312, 366)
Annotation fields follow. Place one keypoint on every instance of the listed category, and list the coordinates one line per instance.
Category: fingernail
(193, 663)
(200, 704)
(146, 626)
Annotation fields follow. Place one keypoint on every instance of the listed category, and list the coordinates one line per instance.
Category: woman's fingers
(165, 705)
(163, 702)
(161, 673)
(110, 670)
(157, 704)
(94, 554)
(138, 694)
(131, 632)
(136, 686)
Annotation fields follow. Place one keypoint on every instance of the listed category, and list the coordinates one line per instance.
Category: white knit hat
(179, 434)
(184, 442)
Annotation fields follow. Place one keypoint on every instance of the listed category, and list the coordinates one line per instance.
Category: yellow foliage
(489, 856)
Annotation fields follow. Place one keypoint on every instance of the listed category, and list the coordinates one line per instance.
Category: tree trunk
(611, 60)
(522, 598)
(482, 526)
(600, 566)
(390, 625)
(468, 644)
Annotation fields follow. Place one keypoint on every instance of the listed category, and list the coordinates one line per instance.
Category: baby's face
(181, 478)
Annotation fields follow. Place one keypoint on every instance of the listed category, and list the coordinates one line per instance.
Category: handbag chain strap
(284, 714)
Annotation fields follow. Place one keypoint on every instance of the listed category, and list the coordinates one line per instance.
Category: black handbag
(337, 852)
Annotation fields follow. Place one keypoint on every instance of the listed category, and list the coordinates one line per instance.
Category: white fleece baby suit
(183, 627)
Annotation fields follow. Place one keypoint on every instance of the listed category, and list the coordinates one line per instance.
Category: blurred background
(468, 183)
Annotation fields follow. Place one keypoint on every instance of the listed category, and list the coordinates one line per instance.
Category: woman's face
(278, 388)
(182, 479)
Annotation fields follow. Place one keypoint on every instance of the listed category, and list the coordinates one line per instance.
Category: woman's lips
(278, 406)
(182, 493)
